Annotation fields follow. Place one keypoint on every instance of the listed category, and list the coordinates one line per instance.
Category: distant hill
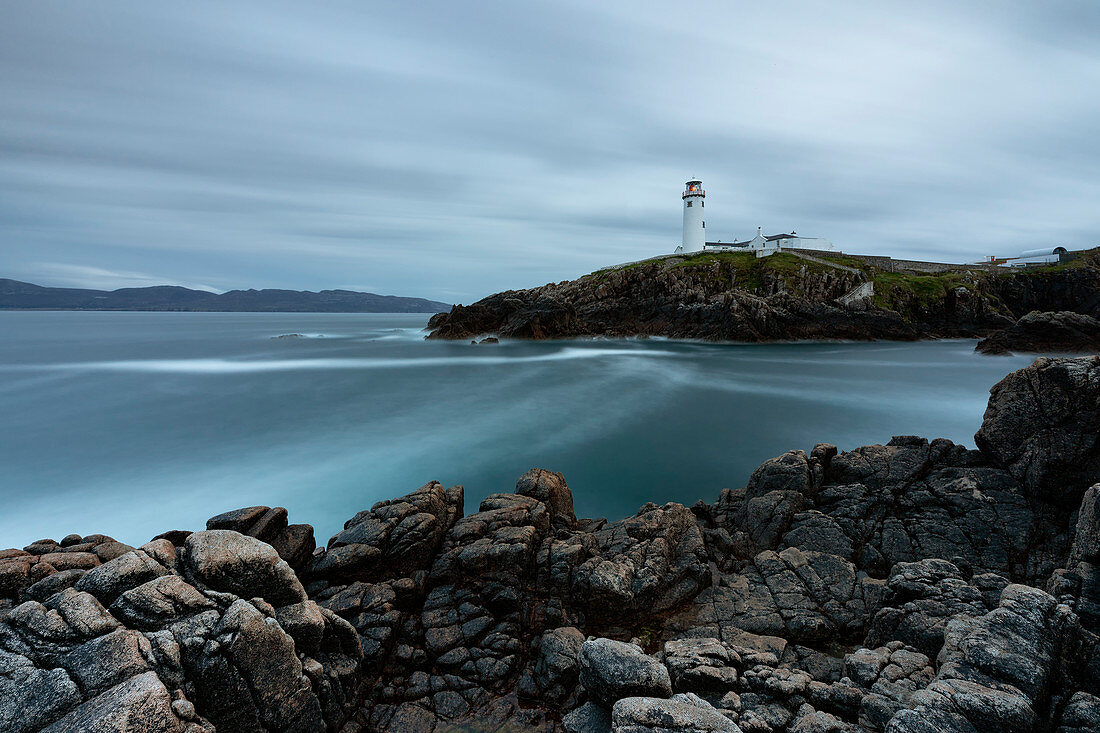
(16, 295)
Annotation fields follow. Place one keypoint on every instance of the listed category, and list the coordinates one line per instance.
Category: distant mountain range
(16, 295)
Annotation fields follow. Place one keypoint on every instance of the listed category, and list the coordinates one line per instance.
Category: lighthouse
(695, 225)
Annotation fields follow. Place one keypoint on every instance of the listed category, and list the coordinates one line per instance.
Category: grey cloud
(450, 150)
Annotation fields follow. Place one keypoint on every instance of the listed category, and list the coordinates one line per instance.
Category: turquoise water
(134, 423)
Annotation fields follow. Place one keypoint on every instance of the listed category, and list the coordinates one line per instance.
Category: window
(704, 225)
(689, 204)
(702, 203)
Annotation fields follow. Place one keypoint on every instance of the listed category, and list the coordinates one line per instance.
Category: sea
(131, 424)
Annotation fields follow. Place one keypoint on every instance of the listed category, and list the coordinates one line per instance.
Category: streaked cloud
(97, 278)
(449, 150)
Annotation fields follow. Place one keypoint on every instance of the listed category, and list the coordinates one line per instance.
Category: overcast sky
(453, 149)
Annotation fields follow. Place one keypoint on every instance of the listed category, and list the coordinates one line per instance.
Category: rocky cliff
(915, 586)
(737, 297)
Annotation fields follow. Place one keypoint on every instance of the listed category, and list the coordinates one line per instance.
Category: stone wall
(889, 264)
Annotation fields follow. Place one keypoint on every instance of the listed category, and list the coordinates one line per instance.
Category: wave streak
(230, 366)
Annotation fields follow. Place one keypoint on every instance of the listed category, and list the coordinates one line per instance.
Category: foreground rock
(1043, 426)
(912, 586)
(1039, 332)
(216, 633)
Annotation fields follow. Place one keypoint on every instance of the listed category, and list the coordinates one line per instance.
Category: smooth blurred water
(134, 423)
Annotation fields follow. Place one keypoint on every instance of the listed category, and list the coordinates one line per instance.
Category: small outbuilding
(1040, 256)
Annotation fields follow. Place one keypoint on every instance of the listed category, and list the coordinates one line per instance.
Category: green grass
(897, 288)
(846, 260)
(741, 270)
(738, 259)
(780, 262)
(600, 275)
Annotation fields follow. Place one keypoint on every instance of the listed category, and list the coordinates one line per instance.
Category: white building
(1041, 256)
(768, 243)
(695, 231)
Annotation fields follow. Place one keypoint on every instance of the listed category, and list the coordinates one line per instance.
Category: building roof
(1042, 251)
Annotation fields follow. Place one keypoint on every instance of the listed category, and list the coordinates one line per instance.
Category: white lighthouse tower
(695, 226)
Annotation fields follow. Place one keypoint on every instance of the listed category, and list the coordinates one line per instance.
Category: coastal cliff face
(908, 587)
(737, 297)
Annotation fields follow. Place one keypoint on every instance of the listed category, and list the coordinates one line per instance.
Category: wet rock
(293, 542)
(51, 584)
(558, 665)
(817, 721)
(890, 675)
(923, 597)
(997, 670)
(109, 580)
(549, 488)
(683, 713)
(611, 670)
(799, 596)
(139, 704)
(107, 660)
(392, 539)
(788, 472)
(157, 602)
(1043, 426)
(651, 562)
(701, 664)
(227, 561)
(1081, 714)
(588, 718)
(31, 697)
(1045, 332)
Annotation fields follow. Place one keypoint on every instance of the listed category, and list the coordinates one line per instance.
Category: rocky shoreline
(784, 297)
(1037, 332)
(910, 587)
